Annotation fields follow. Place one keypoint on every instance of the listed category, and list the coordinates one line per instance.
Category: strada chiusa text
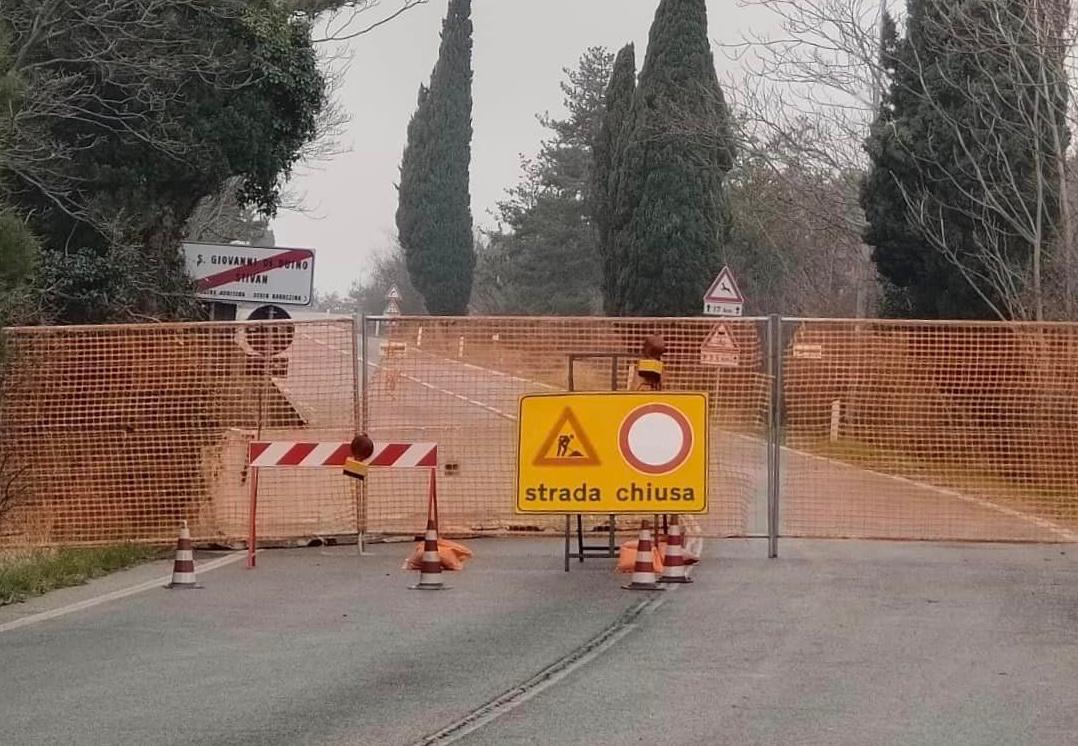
(631, 493)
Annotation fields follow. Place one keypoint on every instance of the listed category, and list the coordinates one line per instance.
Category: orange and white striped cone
(183, 569)
(674, 568)
(430, 569)
(644, 569)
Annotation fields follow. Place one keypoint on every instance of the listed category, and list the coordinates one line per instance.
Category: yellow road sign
(612, 453)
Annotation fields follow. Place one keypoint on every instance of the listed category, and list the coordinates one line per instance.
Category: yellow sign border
(701, 441)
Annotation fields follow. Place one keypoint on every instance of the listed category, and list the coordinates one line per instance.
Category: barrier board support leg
(252, 529)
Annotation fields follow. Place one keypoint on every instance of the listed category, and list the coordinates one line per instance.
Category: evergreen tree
(545, 258)
(671, 166)
(619, 99)
(173, 100)
(960, 197)
(434, 217)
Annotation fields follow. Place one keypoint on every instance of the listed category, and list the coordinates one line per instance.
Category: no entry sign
(612, 453)
(251, 274)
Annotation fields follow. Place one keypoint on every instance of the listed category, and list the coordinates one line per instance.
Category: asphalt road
(856, 643)
(835, 643)
(315, 646)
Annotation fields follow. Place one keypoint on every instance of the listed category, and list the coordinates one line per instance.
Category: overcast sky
(521, 47)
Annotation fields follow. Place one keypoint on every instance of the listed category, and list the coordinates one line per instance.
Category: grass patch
(30, 573)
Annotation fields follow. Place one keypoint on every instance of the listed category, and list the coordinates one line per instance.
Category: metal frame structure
(773, 336)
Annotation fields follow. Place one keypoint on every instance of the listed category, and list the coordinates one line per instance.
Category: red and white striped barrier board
(311, 455)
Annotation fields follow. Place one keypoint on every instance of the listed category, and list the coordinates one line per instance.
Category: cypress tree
(954, 136)
(434, 217)
(670, 169)
(608, 141)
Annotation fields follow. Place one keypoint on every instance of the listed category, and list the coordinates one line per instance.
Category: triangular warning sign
(720, 349)
(720, 340)
(567, 444)
(724, 289)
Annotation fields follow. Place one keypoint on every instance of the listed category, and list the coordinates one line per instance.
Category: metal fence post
(774, 434)
(361, 365)
(364, 424)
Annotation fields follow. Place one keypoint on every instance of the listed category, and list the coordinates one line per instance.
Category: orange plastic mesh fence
(914, 430)
(458, 381)
(905, 430)
(118, 433)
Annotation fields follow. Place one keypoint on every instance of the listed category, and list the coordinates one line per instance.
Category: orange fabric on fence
(459, 381)
(118, 433)
(889, 429)
(930, 430)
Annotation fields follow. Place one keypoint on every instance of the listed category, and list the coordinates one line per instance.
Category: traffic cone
(430, 570)
(674, 568)
(644, 569)
(183, 569)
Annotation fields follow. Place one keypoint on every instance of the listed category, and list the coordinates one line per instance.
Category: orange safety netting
(904, 430)
(930, 430)
(118, 433)
(458, 381)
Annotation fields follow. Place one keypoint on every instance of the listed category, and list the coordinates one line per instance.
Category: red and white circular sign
(655, 439)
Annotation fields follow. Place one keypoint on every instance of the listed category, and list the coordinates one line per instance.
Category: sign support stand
(610, 550)
(252, 536)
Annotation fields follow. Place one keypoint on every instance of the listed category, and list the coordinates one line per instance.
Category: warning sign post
(613, 453)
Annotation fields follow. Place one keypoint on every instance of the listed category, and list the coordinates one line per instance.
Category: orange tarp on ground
(452, 554)
(627, 557)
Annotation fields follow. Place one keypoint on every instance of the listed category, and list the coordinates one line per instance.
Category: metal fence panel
(930, 430)
(867, 429)
(457, 381)
(117, 433)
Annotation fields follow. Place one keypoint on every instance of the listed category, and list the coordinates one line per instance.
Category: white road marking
(1052, 526)
(89, 603)
(491, 371)
(455, 395)
(1036, 520)
(460, 397)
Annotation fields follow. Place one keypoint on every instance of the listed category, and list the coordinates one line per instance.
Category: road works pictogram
(567, 444)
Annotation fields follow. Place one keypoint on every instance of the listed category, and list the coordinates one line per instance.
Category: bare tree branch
(1027, 47)
(352, 19)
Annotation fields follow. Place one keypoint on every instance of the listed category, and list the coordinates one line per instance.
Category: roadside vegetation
(33, 572)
